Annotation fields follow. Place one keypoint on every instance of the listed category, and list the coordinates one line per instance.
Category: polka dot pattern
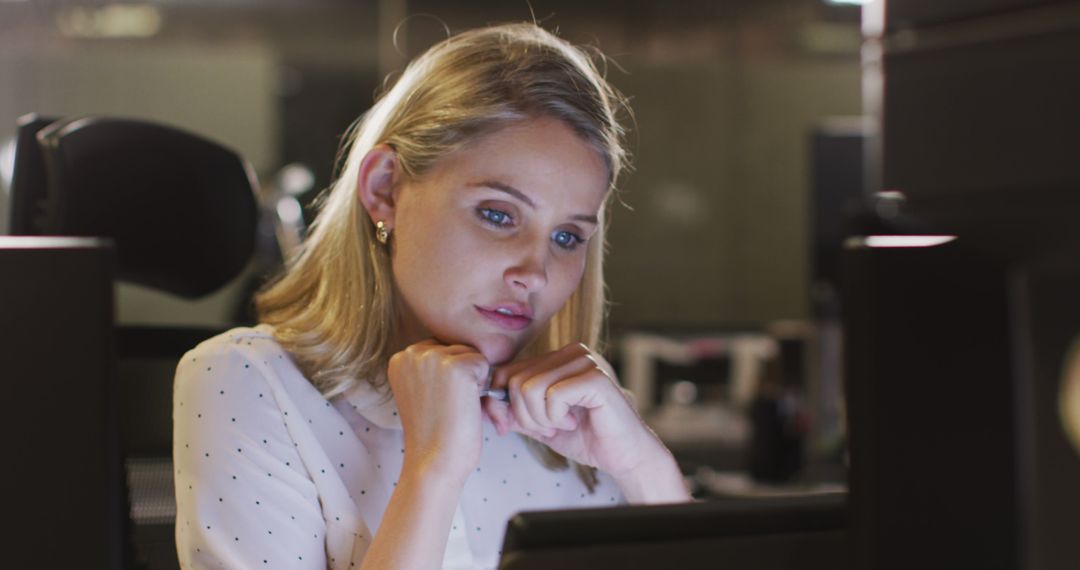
(255, 488)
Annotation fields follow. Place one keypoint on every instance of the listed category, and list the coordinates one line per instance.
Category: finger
(431, 348)
(472, 364)
(501, 377)
(529, 366)
(541, 436)
(499, 414)
(600, 362)
(530, 412)
(534, 391)
(592, 389)
(457, 349)
(527, 388)
(521, 413)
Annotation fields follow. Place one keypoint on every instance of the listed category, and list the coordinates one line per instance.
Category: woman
(457, 256)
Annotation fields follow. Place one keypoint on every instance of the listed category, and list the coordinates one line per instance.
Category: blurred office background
(725, 95)
(722, 318)
(756, 155)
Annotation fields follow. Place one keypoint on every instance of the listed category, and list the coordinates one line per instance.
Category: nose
(528, 272)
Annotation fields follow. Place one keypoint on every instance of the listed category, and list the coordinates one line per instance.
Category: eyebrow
(496, 185)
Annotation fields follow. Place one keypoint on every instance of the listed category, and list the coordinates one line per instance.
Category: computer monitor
(955, 362)
(805, 532)
(837, 192)
(64, 482)
(956, 350)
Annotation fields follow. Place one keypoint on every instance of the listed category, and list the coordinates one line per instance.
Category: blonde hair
(333, 307)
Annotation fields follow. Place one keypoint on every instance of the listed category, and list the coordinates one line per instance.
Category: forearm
(416, 524)
(658, 480)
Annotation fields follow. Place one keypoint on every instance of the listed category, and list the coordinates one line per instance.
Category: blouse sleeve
(244, 499)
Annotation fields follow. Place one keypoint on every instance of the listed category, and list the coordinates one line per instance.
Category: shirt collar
(377, 405)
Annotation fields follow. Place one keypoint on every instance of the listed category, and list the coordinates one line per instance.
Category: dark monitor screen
(805, 532)
(63, 470)
(837, 194)
(956, 352)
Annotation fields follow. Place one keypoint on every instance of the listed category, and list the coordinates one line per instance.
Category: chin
(497, 349)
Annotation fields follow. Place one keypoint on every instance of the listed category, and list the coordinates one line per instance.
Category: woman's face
(491, 242)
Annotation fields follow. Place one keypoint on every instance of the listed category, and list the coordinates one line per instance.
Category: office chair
(182, 213)
(180, 208)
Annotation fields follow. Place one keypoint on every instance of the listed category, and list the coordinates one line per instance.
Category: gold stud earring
(382, 233)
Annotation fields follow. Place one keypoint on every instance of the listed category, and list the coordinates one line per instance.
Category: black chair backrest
(29, 191)
(180, 208)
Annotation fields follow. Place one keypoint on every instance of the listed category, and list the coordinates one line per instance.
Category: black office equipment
(837, 195)
(955, 353)
(805, 532)
(180, 211)
(65, 496)
(30, 201)
(180, 208)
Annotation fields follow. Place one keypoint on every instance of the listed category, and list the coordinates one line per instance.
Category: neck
(408, 330)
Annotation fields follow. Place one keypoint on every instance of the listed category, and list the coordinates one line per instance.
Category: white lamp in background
(897, 241)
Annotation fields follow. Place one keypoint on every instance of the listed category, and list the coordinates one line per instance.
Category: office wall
(718, 231)
(227, 93)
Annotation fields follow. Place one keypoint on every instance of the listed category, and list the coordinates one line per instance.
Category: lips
(510, 316)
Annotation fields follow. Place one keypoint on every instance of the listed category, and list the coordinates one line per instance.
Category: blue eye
(495, 217)
(567, 240)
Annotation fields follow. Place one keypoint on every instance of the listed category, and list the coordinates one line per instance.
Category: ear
(375, 184)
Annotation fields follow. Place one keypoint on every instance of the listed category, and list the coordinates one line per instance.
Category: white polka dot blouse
(270, 474)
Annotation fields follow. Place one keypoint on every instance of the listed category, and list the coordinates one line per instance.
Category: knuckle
(429, 356)
(412, 353)
(552, 391)
(533, 386)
